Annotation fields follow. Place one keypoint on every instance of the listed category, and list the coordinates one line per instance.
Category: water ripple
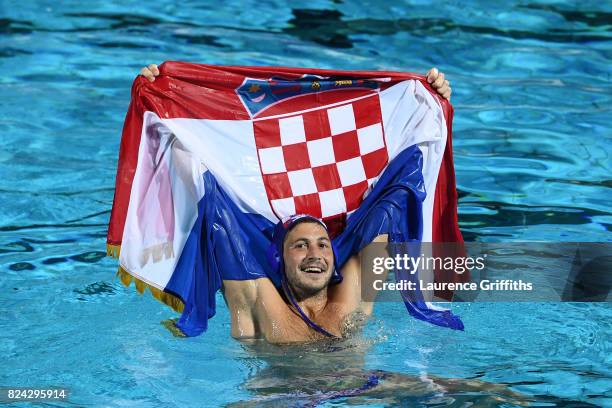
(532, 94)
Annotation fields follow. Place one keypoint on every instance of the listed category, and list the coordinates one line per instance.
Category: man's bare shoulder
(258, 311)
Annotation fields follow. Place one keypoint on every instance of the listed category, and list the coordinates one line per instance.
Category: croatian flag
(212, 157)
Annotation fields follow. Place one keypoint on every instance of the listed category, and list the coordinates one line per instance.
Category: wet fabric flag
(212, 157)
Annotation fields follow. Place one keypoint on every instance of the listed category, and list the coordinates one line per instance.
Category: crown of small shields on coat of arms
(258, 94)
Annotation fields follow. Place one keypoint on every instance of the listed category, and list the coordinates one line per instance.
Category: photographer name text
(497, 285)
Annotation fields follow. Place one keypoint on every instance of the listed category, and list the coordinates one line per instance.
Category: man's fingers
(443, 90)
(432, 74)
(150, 72)
(444, 87)
(439, 81)
(145, 72)
(153, 69)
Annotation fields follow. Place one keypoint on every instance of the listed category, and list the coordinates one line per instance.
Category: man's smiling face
(309, 259)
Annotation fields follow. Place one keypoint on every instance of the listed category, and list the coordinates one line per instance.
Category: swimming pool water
(532, 141)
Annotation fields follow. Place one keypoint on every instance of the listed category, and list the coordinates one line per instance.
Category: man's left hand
(437, 81)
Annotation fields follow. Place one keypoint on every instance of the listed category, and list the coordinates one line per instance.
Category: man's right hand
(150, 72)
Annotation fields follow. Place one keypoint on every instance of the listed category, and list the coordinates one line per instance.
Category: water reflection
(322, 372)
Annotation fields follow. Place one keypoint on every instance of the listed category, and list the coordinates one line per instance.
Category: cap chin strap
(305, 318)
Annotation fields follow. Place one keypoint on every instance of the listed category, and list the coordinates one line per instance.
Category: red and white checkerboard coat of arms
(321, 161)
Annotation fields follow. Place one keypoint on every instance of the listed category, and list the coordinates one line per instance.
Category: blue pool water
(532, 97)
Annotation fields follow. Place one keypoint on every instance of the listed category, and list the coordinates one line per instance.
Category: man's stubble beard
(303, 291)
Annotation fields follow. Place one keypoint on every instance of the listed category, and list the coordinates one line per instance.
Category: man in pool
(310, 307)
(311, 304)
